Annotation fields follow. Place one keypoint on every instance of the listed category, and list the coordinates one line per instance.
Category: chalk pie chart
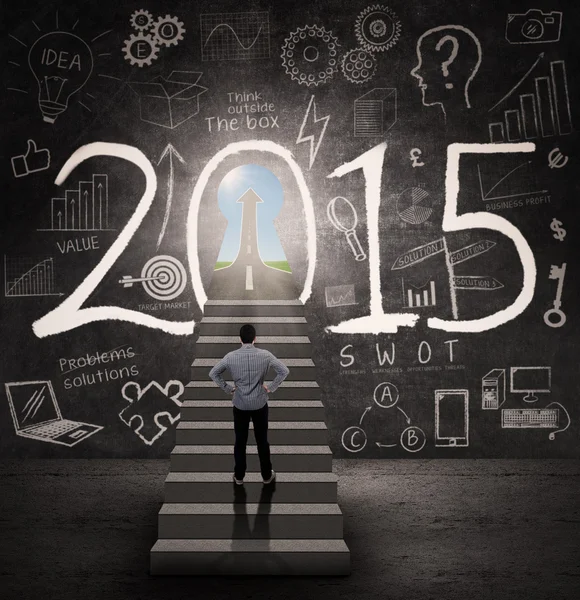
(165, 277)
(414, 205)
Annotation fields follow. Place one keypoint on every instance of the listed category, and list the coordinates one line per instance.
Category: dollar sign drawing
(560, 232)
(414, 157)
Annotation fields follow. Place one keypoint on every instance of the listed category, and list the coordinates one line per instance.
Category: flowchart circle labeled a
(386, 394)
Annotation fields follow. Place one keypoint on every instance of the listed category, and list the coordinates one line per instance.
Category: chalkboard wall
(431, 332)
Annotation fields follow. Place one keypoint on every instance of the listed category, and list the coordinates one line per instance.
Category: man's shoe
(238, 481)
(271, 478)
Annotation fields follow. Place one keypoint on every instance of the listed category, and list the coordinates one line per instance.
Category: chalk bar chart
(544, 113)
(83, 209)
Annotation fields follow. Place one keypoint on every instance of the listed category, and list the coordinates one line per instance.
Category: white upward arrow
(169, 151)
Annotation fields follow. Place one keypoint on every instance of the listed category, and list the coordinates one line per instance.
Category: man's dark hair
(247, 333)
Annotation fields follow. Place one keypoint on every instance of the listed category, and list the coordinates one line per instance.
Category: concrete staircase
(207, 524)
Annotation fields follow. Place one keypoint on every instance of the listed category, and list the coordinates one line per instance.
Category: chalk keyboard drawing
(235, 36)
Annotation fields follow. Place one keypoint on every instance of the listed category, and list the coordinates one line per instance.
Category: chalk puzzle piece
(152, 409)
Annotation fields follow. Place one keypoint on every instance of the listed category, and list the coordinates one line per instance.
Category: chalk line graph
(235, 36)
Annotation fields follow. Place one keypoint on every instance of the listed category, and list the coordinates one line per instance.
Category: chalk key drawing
(505, 191)
(414, 157)
(350, 229)
(310, 55)
(555, 317)
(559, 231)
(235, 36)
(169, 101)
(36, 415)
(533, 27)
(414, 205)
(150, 406)
(25, 277)
(33, 161)
(419, 296)
(530, 381)
(339, 295)
(449, 58)
(162, 277)
(143, 47)
(85, 208)
(377, 28)
(311, 131)
(451, 418)
(358, 65)
(493, 389)
(543, 112)
(556, 160)
(375, 112)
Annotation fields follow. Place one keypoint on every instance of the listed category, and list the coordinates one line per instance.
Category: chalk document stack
(209, 525)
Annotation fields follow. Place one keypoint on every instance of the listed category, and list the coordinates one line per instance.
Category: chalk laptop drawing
(36, 414)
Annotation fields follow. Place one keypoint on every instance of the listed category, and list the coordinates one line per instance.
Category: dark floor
(416, 529)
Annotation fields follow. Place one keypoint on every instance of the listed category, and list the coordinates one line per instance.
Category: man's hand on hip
(263, 385)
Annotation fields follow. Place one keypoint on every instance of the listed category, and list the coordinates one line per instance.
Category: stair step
(250, 557)
(278, 410)
(253, 521)
(279, 432)
(219, 487)
(301, 369)
(264, 325)
(254, 308)
(187, 458)
(288, 390)
(291, 346)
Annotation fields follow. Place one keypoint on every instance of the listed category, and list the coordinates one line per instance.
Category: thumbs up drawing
(34, 160)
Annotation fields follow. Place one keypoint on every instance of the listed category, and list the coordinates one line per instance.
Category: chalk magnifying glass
(346, 225)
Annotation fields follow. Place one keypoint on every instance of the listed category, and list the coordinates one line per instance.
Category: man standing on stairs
(248, 366)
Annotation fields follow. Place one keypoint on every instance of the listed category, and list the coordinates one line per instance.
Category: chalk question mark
(445, 64)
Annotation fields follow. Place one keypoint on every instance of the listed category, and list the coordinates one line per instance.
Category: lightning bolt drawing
(314, 146)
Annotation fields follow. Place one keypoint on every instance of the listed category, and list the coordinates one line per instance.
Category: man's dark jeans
(241, 426)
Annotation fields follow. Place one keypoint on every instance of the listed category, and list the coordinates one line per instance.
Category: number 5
(483, 220)
(68, 314)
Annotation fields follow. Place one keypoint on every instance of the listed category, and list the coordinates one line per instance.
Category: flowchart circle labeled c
(166, 277)
(354, 439)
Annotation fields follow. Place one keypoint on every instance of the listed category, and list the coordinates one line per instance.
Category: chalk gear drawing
(141, 20)
(168, 30)
(358, 65)
(310, 55)
(141, 49)
(377, 28)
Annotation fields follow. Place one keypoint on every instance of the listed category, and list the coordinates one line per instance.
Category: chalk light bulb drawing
(62, 63)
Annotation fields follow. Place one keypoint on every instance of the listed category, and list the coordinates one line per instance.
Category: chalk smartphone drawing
(36, 415)
(451, 418)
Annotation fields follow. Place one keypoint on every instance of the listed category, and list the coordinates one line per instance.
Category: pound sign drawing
(414, 157)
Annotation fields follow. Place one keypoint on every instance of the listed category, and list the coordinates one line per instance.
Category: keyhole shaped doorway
(251, 262)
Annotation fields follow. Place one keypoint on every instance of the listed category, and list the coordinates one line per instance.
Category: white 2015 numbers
(69, 314)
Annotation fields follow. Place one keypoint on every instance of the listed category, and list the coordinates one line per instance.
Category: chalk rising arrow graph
(170, 152)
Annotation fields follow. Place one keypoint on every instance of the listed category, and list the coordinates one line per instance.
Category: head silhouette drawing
(448, 60)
